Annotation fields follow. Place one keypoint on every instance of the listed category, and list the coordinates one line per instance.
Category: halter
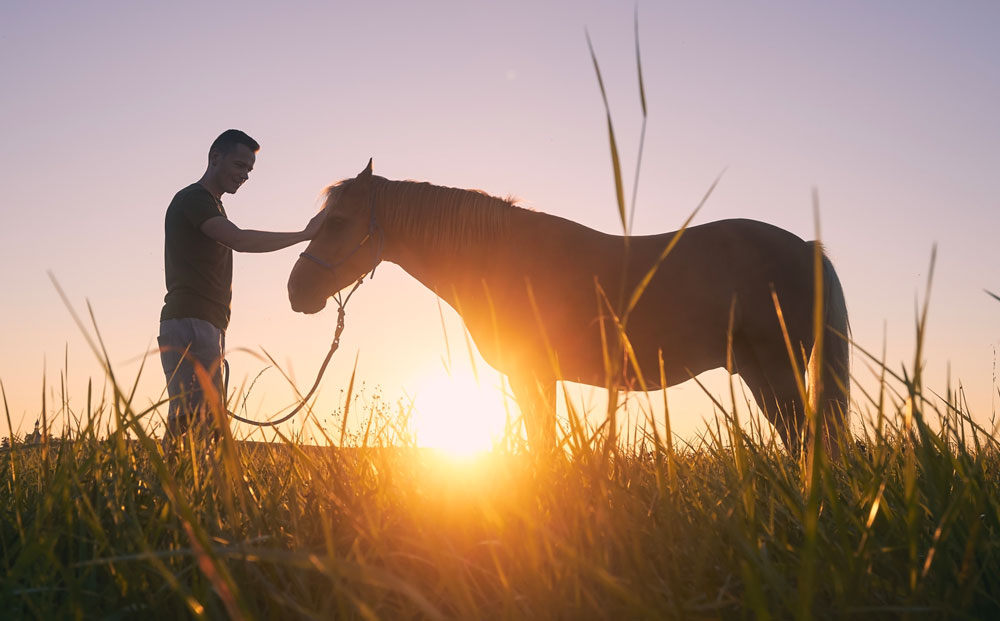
(373, 230)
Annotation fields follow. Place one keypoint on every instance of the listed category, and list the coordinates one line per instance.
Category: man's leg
(176, 340)
(184, 345)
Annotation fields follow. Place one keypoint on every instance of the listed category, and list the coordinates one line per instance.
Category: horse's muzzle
(303, 296)
(307, 307)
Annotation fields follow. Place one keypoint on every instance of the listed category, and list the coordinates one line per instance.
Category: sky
(887, 111)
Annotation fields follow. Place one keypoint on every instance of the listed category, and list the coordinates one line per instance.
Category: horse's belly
(685, 349)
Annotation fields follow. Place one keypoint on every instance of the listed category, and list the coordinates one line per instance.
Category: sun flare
(458, 415)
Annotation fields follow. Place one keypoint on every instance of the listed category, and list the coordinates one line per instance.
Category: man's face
(232, 169)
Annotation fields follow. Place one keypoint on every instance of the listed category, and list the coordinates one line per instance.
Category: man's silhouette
(198, 264)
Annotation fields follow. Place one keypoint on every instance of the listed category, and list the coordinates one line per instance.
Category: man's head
(230, 160)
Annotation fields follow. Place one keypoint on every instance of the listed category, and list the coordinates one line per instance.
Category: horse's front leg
(537, 400)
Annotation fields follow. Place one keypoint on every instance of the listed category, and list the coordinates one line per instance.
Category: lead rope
(373, 230)
(322, 369)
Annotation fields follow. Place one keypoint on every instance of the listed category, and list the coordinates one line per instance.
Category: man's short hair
(228, 140)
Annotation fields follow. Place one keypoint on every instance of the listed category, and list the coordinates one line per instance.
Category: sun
(457, 414)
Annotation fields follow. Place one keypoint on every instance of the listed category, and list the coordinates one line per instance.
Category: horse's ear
(360, 186)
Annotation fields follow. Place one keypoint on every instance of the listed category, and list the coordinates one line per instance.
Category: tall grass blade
(642, 132)
(615, 161)
(444, 332)
(640, 288)
(792, 358)
(347, 403)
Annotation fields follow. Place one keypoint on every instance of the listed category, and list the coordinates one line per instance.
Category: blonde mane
(440, 216)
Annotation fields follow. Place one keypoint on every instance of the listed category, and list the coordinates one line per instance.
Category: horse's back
(720, 259)
(684, 311)
(718, 275)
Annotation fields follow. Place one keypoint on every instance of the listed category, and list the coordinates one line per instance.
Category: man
(198, 261)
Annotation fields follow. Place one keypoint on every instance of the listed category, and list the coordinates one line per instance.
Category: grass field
(98, 524)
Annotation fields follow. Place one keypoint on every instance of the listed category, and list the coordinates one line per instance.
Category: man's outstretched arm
(228, 234)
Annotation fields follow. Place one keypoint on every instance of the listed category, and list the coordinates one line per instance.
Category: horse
(535, 292)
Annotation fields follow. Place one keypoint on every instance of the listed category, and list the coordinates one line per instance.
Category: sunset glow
(895, 133)
(458, 415)
(515, 310)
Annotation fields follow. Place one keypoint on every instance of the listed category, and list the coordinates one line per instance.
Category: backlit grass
(97, 523)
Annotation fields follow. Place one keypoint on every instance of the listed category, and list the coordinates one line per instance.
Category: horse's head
(346, 247)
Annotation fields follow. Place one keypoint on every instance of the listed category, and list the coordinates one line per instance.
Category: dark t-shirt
(198, 269)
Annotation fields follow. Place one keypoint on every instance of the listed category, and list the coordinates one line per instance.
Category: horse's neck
(444, 237)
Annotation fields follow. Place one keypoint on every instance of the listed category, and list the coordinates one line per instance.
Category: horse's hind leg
(769, 375)
(538, 409)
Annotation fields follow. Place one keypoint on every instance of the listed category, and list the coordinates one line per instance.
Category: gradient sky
(888, 110)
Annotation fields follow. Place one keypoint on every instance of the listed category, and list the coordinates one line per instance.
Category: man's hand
(312, 229)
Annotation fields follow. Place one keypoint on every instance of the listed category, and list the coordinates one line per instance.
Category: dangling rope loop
(319, 375)
(374, 230)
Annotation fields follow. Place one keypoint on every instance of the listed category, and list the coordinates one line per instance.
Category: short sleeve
(198, 207)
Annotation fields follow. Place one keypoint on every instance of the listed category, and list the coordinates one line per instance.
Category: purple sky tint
(107, 108)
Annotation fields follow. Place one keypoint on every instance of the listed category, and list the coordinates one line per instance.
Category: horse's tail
(834, 382)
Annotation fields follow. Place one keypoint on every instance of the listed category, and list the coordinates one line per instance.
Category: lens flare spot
(457, 414)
